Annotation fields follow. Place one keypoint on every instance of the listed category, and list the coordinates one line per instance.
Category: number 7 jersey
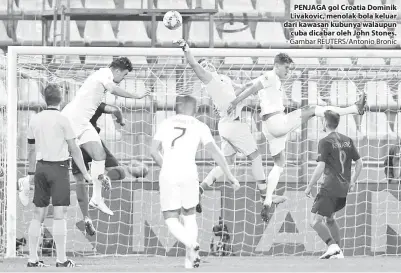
(180, 136)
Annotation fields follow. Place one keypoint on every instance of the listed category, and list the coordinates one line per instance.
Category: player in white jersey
(179, 137)
(276, 124)
(82, 108)
(236, 136)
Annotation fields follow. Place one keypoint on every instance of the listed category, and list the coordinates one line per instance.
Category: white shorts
(277, 128)
(175, 195)
(86, 133)
(236, 137)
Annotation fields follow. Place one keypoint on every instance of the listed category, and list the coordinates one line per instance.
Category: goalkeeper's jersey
(222, 93)
(88, 98)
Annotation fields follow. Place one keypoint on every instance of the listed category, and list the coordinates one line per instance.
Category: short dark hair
(332, 119)
(121, 63)
(283, 58)
(182, 101)
(53, 95)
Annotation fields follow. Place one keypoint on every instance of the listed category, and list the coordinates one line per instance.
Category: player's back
(222, 92)
(271, 97)
(341, 152)
(180, 136)
(89, 96)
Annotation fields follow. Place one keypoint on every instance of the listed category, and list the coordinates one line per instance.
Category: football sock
(60, 238)
(272, 181)
(319, 110)
(191, 226)
(116, 173)
(34, 232)
(97, 168)
(83, 198)
(179, 232)
(323, 232)
(334, 230)
(257, 169)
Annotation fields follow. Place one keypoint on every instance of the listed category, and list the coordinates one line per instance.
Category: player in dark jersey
(335, 155)
(113, 168)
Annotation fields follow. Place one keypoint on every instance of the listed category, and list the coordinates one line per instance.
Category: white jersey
(271, 96)
(88, 98)
(222, 94)
(180, 136)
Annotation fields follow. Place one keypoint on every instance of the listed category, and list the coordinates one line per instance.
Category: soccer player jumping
(236, 136)
(335, 155)
(81, 109)
(179, 137)
(114, 170)
(276, 124)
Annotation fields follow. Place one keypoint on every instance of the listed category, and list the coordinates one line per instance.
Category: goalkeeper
(236, 136)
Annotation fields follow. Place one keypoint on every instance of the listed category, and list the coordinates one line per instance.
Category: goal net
(369, 224)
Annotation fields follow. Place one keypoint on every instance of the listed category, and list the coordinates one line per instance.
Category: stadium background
(370, 222)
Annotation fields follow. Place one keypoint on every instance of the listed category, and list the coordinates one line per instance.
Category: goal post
(261, 59)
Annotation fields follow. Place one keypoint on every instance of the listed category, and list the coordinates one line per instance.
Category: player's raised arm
(199, 67)
(253, 88)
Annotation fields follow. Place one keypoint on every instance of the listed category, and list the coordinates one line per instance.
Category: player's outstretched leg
(357, 108)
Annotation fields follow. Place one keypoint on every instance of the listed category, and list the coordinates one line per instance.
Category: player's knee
(39, 214)
(316, 219)
(59, 212)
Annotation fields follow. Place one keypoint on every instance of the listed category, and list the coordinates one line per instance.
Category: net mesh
(137, 225)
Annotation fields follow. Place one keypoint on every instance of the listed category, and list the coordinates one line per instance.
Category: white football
(172, 20)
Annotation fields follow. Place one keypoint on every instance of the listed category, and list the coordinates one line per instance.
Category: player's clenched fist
(183, 44)
(87, 178)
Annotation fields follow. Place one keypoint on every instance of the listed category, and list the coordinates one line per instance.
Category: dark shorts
(111, 161)
(327, 205)
(52, 179)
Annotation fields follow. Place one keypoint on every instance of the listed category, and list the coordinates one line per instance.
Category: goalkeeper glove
(183, 44)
